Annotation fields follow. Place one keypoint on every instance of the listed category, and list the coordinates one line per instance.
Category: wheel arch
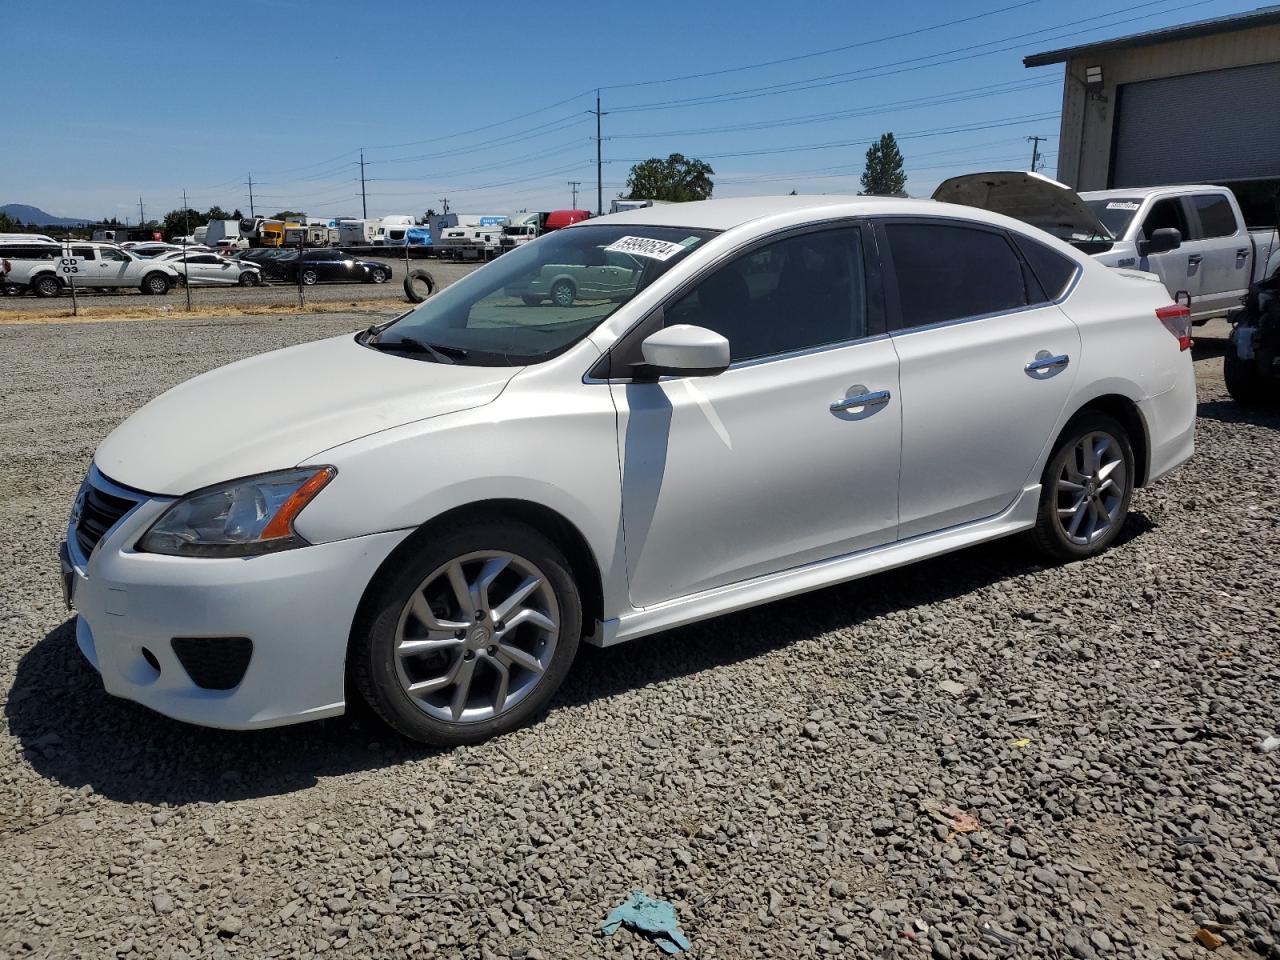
(550, 523)
(1124, 410)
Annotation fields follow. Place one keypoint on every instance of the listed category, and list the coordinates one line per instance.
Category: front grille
(214, 663)
(99, 512)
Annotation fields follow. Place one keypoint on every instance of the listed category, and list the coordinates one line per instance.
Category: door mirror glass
(1160, 241)
(684, 350)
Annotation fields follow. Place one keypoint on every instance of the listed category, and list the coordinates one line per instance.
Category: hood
(1034, 199)
(280, 409)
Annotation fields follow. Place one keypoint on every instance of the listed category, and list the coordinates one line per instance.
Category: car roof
(736, 211)
(1147, 191)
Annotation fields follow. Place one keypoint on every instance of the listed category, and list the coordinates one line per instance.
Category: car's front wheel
(1086, 489)
(377, 275)
(156, 284)
(470, 636)
(249, 278)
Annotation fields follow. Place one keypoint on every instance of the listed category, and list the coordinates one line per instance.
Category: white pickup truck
(1193, 237)
(48, 269)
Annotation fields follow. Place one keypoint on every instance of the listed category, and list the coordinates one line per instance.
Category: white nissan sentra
(633, 423)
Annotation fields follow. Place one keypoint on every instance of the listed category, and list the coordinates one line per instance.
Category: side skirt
(1021, 515)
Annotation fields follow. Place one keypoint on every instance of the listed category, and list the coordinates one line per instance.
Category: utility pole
(251, 196)
(364, 204)
(599, 162)
(1035, 151)
(444, 205)
(142, 217)
(574, 185)
(186, 232)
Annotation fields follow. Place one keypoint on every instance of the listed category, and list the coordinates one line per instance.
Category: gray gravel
(800, 780)
(444, 272)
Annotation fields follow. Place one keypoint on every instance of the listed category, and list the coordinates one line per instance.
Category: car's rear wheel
(309, 277)
(562, 293)
(470, 636)
(531, 301)
(1245, 383)
(156, 284)
(47, 286)
(249, 279)
(1086, 489)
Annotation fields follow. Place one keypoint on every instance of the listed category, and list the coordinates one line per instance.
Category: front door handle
(1046, 362)
(873, 398)
(1194, 260)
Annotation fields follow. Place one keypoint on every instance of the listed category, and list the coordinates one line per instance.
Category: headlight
(242, 518)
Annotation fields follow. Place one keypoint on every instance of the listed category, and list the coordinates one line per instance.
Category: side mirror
(684, 350)
(1160, 241)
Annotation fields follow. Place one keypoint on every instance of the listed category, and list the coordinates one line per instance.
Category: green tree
(289, 215)
(9, 225)
(884, 176)
(675, 179)
(178, 223)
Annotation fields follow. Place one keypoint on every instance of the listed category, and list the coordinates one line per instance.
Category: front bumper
(296, 606)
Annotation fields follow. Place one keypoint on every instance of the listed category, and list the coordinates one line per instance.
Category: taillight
(1177, 320)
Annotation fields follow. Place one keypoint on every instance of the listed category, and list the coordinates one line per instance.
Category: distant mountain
(29, 214)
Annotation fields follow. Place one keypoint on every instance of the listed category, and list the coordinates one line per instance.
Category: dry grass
(129, 312)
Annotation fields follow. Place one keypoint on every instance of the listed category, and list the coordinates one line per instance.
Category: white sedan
(790, 392)
(211, 270)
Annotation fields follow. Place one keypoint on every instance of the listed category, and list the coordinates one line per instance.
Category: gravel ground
(800, 780)
(444, 272)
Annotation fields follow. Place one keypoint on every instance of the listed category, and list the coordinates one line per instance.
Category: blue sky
(487, 103)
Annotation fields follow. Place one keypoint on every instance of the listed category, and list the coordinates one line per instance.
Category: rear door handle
(1194, 260)
(1040, 364)
(874, 398)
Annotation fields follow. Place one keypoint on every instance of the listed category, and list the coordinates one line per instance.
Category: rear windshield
(1116, 213)
(543, 296)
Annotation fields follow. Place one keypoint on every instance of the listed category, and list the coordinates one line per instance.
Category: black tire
(1049, 535)
(531, 301)
(250, 279)
(46, 286)
(372, 656)
(377, 275)
(309, 277)
(1246, 384)
(155, 284)
(411, 289)
(563, 293)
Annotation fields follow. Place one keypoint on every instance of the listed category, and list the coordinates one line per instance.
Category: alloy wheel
(476, 636)
(1091, 488)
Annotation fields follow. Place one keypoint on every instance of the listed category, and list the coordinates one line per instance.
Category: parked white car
(212, 270)
(793, 392)
(49, 269)
(1194, 238)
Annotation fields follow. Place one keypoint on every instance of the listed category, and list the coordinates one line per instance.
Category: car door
(766, 466)
(986, 366)
(1180, 269)
(1226, 265)
(115, 268)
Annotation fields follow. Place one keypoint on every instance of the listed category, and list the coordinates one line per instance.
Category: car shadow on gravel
(74, 733)
(1228, 411)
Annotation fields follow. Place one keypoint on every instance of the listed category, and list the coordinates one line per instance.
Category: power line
(822, 53)
(865, 73)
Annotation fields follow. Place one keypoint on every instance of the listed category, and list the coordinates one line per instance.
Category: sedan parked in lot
(788, 393)
(211, 270)
(332, 265)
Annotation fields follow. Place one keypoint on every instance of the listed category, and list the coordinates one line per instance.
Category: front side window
(542, 297)
(1165, 213)
(949, 272)
(115, 255)
(84, 253)
(1217, 219)
(793, 294)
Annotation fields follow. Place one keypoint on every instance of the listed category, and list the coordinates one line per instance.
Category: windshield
(1116, 213)
(544, 296)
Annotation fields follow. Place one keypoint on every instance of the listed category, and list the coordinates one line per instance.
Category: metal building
(1196, 103)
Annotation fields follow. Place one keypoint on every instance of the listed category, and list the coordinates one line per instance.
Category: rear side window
(1052, 269)
(1217, 219)
(947, 272)
(84, 253)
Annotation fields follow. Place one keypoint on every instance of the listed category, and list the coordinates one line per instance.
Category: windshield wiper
(437, 352)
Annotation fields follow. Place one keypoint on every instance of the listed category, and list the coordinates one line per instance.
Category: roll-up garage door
(1198, 128)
